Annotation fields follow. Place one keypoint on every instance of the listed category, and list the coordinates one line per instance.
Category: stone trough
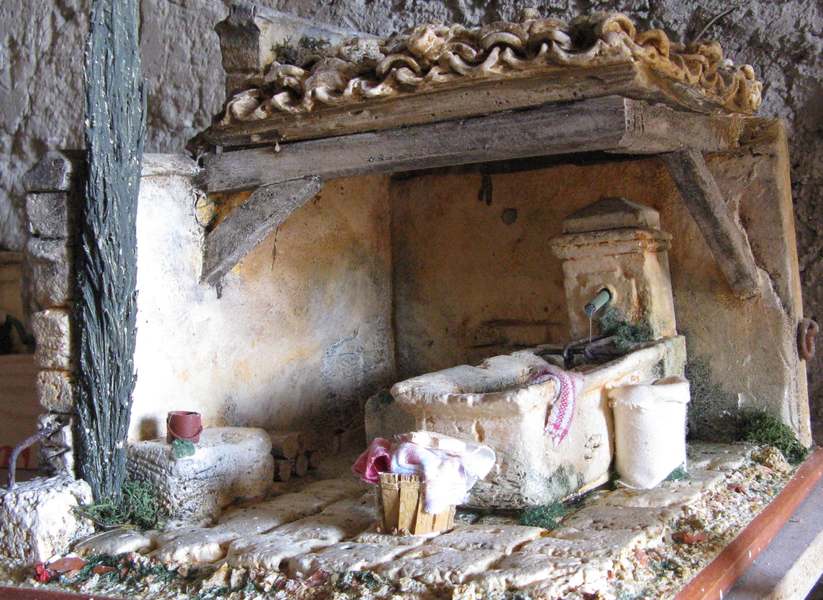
(493, 404)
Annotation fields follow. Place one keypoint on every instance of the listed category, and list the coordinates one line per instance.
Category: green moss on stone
(138, 506)
(678, 474)
(627, 335)
(182, 448)
(762, 428)
(547, 516)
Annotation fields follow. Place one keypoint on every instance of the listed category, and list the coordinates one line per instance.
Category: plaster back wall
(301, 334)
(458, 265)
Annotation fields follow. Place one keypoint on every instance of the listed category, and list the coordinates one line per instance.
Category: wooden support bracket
(725, 237)
(249, 224)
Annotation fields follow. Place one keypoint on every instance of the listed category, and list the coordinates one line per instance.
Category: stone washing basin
(493, 404)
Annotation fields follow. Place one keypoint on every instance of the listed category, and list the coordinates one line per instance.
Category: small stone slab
(343, 519)
(623, 539)
(590, 577)
(116, 541)
(229, 463)
(521, 569)
(438, 565)
(313, 528)
(195, 546)
(717, 457)
(615, 544)
(38, 520)
(342, 557)
(597, 518)
(352, 516)
(503, 538)
(332, 490)
(675, 494)
(386, 539)
(267, 552)
(272, 513)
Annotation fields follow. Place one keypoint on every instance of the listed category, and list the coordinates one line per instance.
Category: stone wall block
(52, 271)
(57, 171)
(38, 520)
(56, 390)
(52, 332)
(51, 215)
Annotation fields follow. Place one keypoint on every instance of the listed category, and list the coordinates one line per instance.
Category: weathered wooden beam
(726, 239)
(249, 224)
(611, 123)
(461, 100)
(475, 98)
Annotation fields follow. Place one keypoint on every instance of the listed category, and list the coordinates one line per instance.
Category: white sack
(650, 430)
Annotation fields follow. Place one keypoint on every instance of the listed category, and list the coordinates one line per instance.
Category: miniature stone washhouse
(312, 275)
(613, 244)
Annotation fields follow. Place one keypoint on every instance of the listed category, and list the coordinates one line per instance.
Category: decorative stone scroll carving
(435, 57)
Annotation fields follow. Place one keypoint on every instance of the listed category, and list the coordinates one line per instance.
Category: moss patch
(547, 516)
(762, 428)
(678, 474)
(138, 506)
(627, 335)
(307, 50)
(182, 448)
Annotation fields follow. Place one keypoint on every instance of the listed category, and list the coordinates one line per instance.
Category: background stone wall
(41, 80)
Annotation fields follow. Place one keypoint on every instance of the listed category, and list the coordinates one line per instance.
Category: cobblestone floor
(318, 540)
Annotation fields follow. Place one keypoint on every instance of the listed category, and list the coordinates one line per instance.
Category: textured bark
(107, 253)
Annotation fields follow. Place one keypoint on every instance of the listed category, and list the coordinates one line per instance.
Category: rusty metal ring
(807, 330)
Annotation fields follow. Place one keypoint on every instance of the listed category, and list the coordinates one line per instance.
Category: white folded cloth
(448, 466)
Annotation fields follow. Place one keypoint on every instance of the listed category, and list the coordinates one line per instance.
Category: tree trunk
(107, 252)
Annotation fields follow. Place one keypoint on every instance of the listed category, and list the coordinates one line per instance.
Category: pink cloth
(375, 460)
(569, 385)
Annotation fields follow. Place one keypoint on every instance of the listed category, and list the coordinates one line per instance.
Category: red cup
(183, 425)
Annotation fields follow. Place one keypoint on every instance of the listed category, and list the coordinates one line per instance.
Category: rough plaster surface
(301, 333)
(41, 45)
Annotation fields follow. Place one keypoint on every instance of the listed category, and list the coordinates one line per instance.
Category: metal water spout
(602, 298)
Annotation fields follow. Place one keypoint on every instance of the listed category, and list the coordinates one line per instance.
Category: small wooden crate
(401, 506)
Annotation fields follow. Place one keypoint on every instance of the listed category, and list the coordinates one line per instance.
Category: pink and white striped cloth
(569, 385)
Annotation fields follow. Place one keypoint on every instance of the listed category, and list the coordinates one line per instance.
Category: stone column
(53, 189)
(617, 245)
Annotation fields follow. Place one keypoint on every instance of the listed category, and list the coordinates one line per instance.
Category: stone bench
(229, 464)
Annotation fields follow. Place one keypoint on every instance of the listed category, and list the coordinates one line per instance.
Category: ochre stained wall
(473, 272)
(301, 333)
